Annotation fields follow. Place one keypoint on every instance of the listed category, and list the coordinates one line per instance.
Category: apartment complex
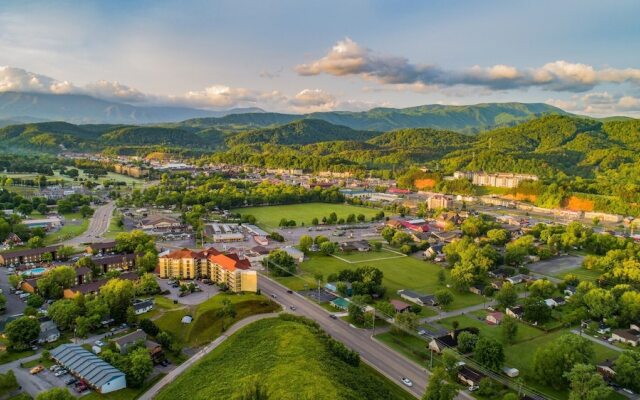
(438, 202)
(211, 264)
(500, 179)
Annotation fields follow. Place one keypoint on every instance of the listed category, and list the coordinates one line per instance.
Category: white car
(407, 381)
(473, 388)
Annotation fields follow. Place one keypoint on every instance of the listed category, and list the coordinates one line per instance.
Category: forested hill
(464, 119)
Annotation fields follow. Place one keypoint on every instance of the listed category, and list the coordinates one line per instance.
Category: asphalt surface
(98, 225)
(388, 362)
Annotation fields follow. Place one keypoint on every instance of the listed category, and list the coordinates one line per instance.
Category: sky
(304, 56)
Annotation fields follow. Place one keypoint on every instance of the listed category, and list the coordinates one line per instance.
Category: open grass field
(207, 325)
(525, 332)
(399, 273)
(288, 359)
(113, 229)
(74, 225)
(582, 273)
(269, 216)
(412, 347)
(358, 257)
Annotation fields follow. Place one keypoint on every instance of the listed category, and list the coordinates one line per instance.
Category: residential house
(605, 369)
(629, 336)
(569, 291)
(440, 343)
(477, 289)
(435, 250)
(469, 376)
(516, 279)
(101, 247)
(124, 342)
(295, 253)
(333, 287)
(560, 301)
(515, 312)
(12, 240)
(551, 303)
(420, 299)
(447, 236)
(28, 255)
(497, 285)
(494, 318)
(142, 306)
(400, 306)
(49, 331)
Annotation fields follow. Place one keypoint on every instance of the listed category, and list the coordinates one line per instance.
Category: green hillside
(304, 131)
(289, 359)
(135, 135)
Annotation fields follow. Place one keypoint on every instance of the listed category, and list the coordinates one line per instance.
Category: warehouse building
(85, 365)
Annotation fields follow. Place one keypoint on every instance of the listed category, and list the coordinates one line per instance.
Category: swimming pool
(34, 271)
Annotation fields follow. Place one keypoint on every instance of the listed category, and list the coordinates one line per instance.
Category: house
(469, 376)
(28, 255)
(333, 287)
(124, 342)
(438, 201)
(446, 236)
(435, 250)
(12, 240)
(85, 365)
(49, 332)
(295, 253)
(340, 303)
(497, 285)
(415, 225)
(551, 303)
(477, 289)
(569, 291)
(155, 351)
(494, 318)
(605, 369)
(560, 301)
(359, 245)
(629, 336)
(440, 343)
(515, 312)
(400, 306)
(420, 299)
(101, 247)
(142, 306)
(516, 279)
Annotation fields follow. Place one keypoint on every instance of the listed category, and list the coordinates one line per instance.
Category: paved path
(598, 341)
(466, 310)
(98, 225)
(153, 391)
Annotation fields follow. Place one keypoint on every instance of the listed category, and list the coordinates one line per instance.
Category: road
(155, 389)
(598, 341)
(388, 362)
(98, 225)
(466, 310)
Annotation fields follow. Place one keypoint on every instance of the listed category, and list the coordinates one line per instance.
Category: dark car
(290, 291)
(164, 363)
(333, 316)
(70, 381)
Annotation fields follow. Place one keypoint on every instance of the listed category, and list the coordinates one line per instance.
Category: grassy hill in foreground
(289, 359)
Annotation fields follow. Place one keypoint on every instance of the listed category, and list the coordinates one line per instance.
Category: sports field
(288, 360)
(399, 273)
(269, 216)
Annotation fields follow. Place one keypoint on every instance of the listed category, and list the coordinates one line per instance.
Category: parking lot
(207, 292)
(556, 265)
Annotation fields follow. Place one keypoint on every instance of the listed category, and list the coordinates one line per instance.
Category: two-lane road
(388, 362)
(98, 225)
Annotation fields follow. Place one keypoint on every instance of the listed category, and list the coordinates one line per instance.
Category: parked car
(54, 367)
(474, 388)
(61, 372)
(37, 369)
(407, 381)
(70, 381)
(80, 387)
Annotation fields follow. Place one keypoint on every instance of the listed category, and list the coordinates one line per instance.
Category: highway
(388, 362)
(98, 225)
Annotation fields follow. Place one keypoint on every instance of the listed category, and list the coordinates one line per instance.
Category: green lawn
(525, 332)
(125, 394)
(399, 273)
(412, 347)
(288, 359)
(207, 325)
(359, 257)
(269, 217)
(74, 225)
(113, 229)
(582, 273)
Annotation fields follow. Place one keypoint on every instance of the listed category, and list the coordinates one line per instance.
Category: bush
(149, 327)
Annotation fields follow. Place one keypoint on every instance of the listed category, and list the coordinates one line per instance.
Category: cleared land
(269, 216)
(288, 359)
(207, 324)
(74, 225)
(399, 273)
(582, 273)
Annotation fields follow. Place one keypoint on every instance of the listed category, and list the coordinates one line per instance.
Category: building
(605, 369)
(49, 332)
(400, 306)
(142, 306)
(477, 289)
(94, 287)
(85, 365)
(160, 223)
(295, 253)
(46, 223)
(123, 343)
(439, 201)
(28, 255)
(494, 318)
(340, 303)
(516, 279)
(356, 245)
(417, 225)
(469, 376)
(355, 193)
(438, 344)
(500, 179)
(630, 336)
(420, 299)
(101, 248)
(515, 312)
(221, 268)
(121, 262)
(333, 287)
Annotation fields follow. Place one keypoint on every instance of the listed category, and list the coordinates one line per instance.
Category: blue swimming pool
(34, 271)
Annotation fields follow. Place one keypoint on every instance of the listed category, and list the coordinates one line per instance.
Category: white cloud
(312, 100)
(600, 104)
(349, 58)
(114, 91)
(19, 80)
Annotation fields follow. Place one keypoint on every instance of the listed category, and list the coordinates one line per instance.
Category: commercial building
(101, 247)
(500, 179)
(438, 201)
(221, 268)
(46, 223)
(83, 364)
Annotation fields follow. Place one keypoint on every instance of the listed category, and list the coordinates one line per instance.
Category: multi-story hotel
(210, 264)
(500, 179)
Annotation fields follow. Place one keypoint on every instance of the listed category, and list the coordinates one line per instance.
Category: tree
(256, 390)
(305, 243)
(21, 332)
(444, 297)
(118, 294)
(439, 388)
(87, 262)
(228, 310)
(3, 303)
(57, 393)
(147, 285)
(140, 366)
(327, 248)
(149, 327)
(600, 303)
(536, 310)
(65, 252)
(467, 342)
(507, 296)
(442, 277)
(165, 340)
(356, 314)
(377, 246)
(586, 383)
(627, 368)
(35, 300)
(132, 317)
(280, 263)
(407, 320)
(542, 288)
(509, 328)
(498, 237)
(35, 242)
(315, 222)
(148, 262)
(553, 360)
(490, 353)
(83, 325)
(64, 313)
(52, 284)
